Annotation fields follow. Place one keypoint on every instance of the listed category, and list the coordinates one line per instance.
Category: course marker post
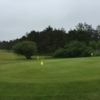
(42, 63)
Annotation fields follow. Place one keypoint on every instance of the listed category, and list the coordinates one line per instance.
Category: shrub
(60, 53)
(25, 48)
(74, 49)
(97, 53)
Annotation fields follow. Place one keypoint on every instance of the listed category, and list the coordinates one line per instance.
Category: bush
(60, 53)
(25, 48)
(74, 49)
(97, 53)
(95, 45)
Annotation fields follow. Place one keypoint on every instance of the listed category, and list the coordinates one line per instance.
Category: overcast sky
(20, 16)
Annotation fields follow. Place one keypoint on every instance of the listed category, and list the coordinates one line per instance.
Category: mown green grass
(58, 79)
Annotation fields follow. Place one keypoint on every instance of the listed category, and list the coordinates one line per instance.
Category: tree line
(83, 40)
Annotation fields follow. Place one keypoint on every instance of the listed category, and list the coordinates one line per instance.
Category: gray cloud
(20, 16)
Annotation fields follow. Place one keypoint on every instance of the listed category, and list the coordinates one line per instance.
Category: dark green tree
(83, 32)
(25, 48)
(51, 39)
